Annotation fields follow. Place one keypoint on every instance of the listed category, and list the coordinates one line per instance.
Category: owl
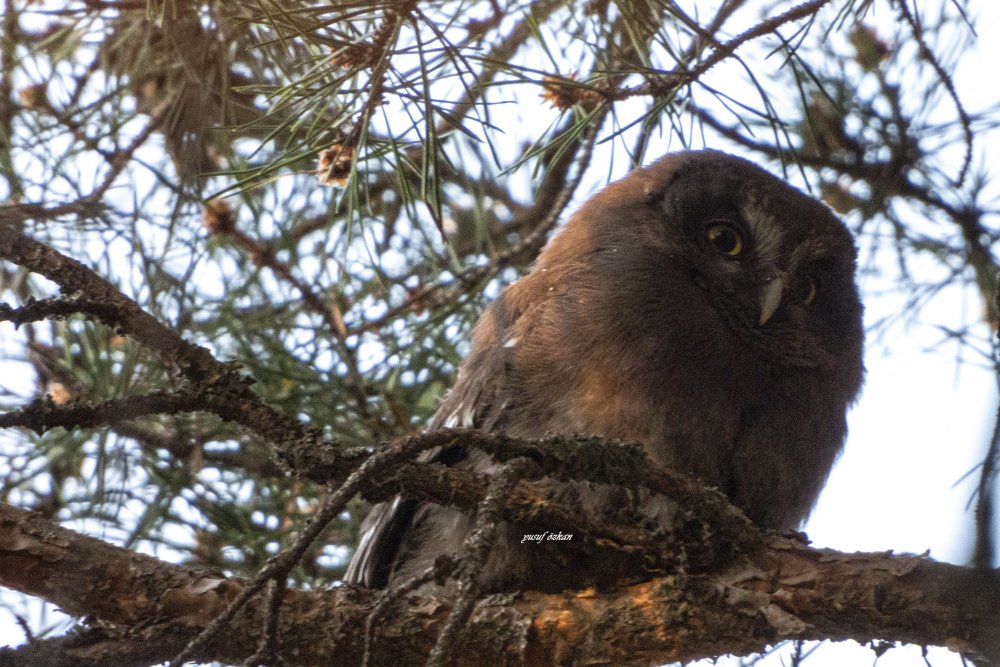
(701, 307)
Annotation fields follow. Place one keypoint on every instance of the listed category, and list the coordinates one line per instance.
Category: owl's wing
(476, 401)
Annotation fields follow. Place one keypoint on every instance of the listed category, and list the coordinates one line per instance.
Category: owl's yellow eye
(810, 291)
(726, 238)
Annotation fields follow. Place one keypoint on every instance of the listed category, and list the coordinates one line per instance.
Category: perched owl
(699, 306)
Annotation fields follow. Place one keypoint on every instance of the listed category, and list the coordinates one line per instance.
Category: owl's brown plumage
(699, 306)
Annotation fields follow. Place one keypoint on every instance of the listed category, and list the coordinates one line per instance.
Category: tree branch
(43, 414)
(195, 362)
(786, 591)
(229, 397)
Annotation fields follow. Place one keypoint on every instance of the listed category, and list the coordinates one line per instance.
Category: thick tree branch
(786, 591)
(581, 458)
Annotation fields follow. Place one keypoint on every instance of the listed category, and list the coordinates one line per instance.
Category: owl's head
(720, 257)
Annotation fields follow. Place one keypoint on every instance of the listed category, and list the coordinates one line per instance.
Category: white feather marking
(366, 537)
(467, 417)
(511, 342)
(766, 231)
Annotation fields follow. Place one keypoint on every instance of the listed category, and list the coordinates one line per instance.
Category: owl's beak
(770, 297)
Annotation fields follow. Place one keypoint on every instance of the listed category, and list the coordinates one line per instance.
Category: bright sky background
(922, 422)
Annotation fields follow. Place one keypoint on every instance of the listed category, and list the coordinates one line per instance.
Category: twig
(43, 414)
(195, 362)
(441, 569)
(984, 551)
(267, 654)
(230, 397)
(666, 83)
(59, 308)
(473, 561)
(91, 202)
(279, 565)
(330, 313)
(949, 85)
(440, 293)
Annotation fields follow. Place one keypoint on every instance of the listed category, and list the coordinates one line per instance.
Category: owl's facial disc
(771, 293)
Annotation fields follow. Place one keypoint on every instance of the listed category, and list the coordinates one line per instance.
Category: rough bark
(142, 610)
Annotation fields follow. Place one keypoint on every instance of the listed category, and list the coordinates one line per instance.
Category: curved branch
(195, 362)
(227, 394)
